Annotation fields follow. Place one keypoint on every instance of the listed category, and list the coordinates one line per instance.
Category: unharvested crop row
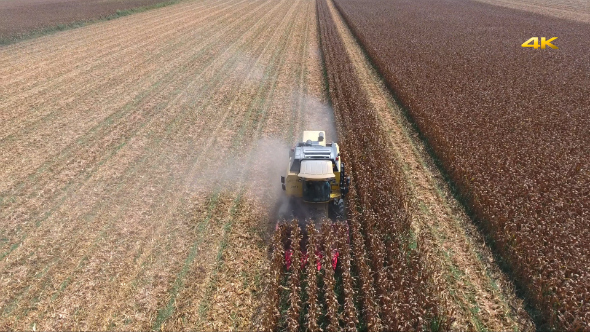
(508, 124)
(393, 284)
(336, 282)
(379, 281)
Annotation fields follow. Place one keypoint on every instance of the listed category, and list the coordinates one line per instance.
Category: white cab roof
(316, 169)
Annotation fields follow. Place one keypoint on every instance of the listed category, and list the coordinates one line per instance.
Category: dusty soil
(576, 10)
(139, 160)
(19, 18)
(472, 285)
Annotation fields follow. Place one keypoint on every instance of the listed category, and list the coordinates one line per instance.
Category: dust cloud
(318, 115)
(260, 165)
(258, 169)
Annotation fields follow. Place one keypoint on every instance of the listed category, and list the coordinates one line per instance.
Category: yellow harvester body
(315, 180)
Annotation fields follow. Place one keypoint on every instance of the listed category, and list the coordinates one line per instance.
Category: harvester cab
(316, 182)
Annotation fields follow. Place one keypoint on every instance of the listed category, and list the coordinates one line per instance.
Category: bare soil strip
(481, 297)
(141, 161)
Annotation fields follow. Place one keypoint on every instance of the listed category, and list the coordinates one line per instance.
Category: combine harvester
(315, 187)
(316, 183)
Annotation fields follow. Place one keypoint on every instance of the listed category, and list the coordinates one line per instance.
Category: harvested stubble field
(139, 162)
(25, 18)
(508, 124)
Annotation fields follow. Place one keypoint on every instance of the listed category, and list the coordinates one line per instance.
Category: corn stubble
(509, 126)
(271, 310)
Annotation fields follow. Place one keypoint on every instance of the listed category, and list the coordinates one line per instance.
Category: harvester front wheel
(337, 210)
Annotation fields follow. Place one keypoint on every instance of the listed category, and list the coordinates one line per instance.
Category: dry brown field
(20, 19)
(576, 10)
(508, 126)
(139, 176)
(140, 160)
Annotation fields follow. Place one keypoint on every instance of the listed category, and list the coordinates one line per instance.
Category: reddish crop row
(333, 284)
(393, 285)
(509, 125)
(302, 292)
